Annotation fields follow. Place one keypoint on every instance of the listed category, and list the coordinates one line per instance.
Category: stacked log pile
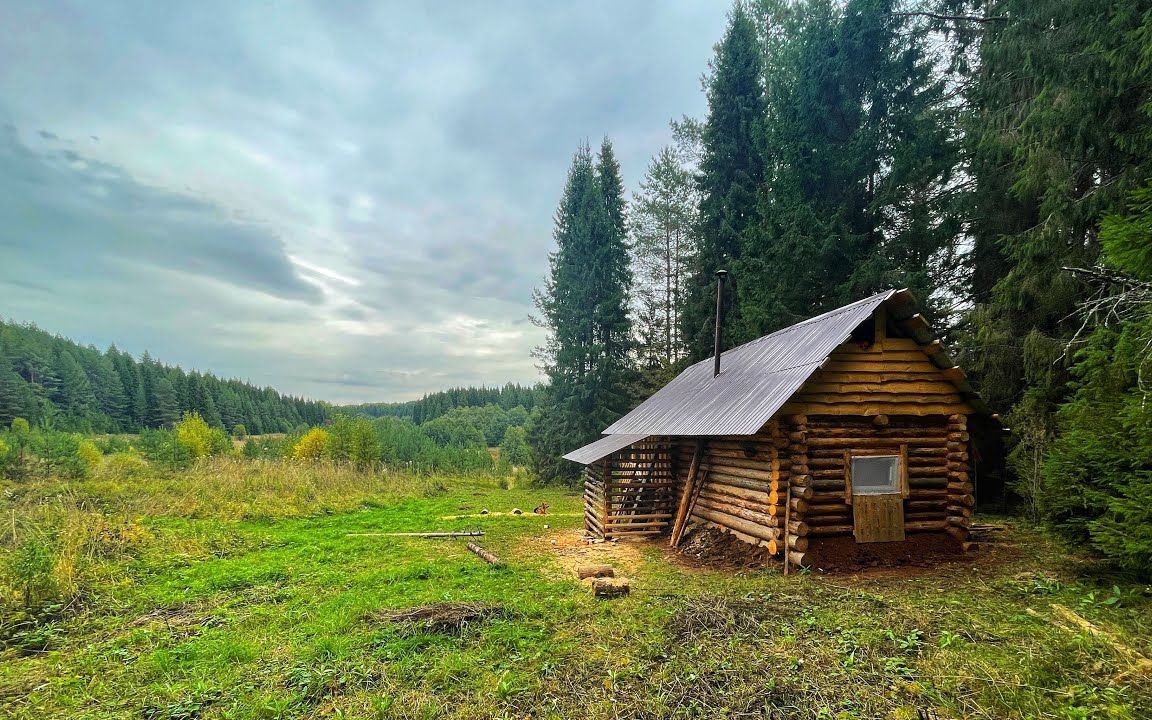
(631, 492)
(745, 485)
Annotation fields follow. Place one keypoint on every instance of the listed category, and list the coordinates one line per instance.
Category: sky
(350, 201)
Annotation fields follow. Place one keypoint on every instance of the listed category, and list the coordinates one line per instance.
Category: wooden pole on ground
(484, 554)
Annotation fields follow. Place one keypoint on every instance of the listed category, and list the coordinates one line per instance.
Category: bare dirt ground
(571, 550)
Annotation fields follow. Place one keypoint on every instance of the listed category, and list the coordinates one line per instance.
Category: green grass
(254, 615)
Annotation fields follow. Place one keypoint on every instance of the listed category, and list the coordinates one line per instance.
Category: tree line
(433, 405)
(991, 155)
(47, 379)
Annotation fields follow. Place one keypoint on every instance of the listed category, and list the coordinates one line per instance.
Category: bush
(163, 448)
(312, 446)
(59, 454)
(126, 465)
(1097, 480)
(200, 438)
(355, 441)
(239, 431)
(90, 455)
(113, 444)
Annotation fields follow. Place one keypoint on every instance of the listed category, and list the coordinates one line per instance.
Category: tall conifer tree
(584, 307)
(731, 171)
(860, 193)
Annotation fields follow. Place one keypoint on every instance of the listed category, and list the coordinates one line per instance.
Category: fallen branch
(484, 554)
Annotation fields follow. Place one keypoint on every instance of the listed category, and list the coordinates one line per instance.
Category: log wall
(939, 493)
(748, 479)
(893, 377)
(744, 483)
(631, 492)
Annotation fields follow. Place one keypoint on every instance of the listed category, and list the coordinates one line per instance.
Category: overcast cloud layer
(349, 201)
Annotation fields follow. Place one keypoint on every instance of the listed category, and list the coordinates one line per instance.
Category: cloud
(346, 201)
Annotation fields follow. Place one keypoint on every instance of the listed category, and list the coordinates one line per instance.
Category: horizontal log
(815, 511)
(770, 518)
(715, 486)
(851, 443)
(924, 525)
(799, 559)
(959, 521)
(714, 497)
(959, 510)
(639, 516)
(831, 530)
(797, 543)
(736, 523)
(867, 409)
(959, 533)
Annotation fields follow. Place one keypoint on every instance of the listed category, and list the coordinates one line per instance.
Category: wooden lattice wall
(631, 492)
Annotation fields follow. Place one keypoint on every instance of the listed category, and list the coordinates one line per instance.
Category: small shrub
(30, 569)
(125, 465)
(113, 444)
(163, 448)
(312, 446)
(20, 426)
(59, 454)
(239, 431)
(200, 438)
(90, 455)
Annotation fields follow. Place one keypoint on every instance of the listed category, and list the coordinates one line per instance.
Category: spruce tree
(860, 193)
(663, 221)
(584, 307)
(731, 171)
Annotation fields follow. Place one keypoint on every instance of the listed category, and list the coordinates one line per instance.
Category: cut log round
(610, 587)
(595, 571)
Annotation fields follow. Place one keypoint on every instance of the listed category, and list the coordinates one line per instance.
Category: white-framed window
(876, 475)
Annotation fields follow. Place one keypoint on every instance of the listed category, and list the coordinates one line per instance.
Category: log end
(610, 587)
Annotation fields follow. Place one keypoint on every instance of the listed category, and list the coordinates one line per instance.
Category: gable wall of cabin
(893, 377)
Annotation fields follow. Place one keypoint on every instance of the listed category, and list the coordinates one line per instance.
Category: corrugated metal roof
(755, 380)
(607, 445)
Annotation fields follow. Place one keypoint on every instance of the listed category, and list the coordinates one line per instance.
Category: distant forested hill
(436, 404)
(44, 377)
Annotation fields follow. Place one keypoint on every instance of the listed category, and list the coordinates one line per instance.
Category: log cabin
(853, 424)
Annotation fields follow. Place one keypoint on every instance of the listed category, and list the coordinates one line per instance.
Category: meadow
(264, 589)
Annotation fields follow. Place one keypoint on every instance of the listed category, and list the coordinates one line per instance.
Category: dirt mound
(840, 554)
(446, 617)
(710, 547)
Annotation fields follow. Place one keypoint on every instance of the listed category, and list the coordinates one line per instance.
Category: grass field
(274, 606)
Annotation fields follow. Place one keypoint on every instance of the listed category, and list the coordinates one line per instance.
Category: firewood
(595, 571)
(610, 587)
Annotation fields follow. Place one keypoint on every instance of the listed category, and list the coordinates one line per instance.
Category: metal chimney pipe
(720, 276)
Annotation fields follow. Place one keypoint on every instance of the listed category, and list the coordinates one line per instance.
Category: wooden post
(686, 495)
(787, 520)
(605, 519)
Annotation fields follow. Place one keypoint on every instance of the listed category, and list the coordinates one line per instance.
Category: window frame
(901, 455)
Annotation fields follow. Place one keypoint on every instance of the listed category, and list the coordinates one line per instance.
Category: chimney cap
(721, 274)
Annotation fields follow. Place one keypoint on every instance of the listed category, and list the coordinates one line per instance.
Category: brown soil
(705, 547)
(923, 550)
(571, 549)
